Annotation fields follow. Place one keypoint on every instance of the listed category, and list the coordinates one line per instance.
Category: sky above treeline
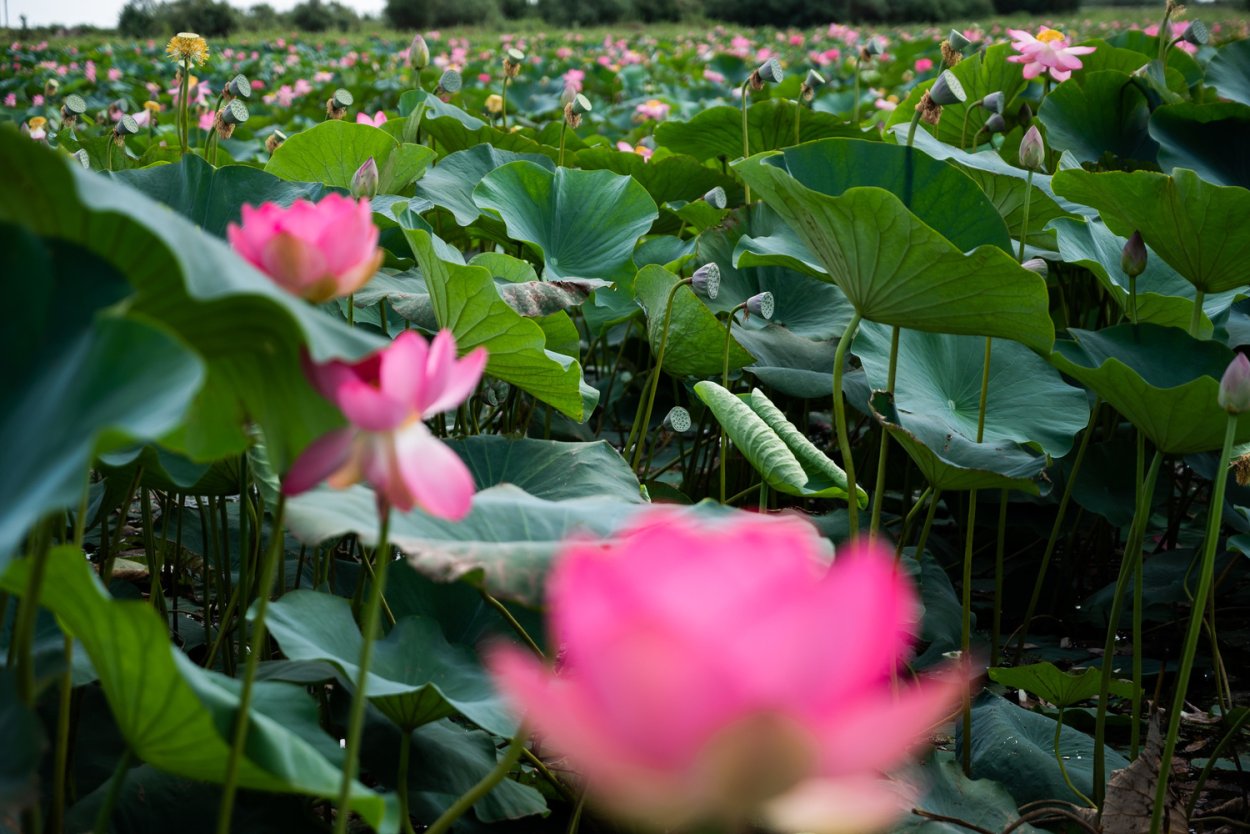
(104, 12)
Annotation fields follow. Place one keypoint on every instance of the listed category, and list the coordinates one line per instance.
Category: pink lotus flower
(653, 109)
(1048, 51)
(924, 64)
(377, 119)
(641, 150)
(317, 251)
(724, 674)
(385, 397)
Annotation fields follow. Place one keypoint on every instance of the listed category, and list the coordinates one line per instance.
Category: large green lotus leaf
(249, 333)
(505, 544)
(416, 677)
(1195, 226)
(952, 462)
(24, 746)
(980, 74)
(667, 179)
(716, 133)
(466, 301)
(776, 245)
(696, 338)
(939, 194)
(1014, 746)
(334, 150)
(213, 197)
(939, 379)
(585, 224)
(1063, 689)
(1208, 139)
(1133, 49)
(1229, 71)
(171, 472)
(80, 377)
(897, 270)
(174, 715)
(1161, 379)
(549, 469)
(450, 183)
(1163, 297)
(784, 457)
(980, 802)
(455, 130)
(1105, 113)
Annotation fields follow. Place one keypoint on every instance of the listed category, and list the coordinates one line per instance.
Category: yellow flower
(187, 47)
(36, 122)
(494, 103)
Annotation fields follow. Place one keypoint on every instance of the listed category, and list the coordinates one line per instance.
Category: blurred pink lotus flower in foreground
(1048, 51)
(725, 675)
(377, 119)
(385, 397)
(317, 251)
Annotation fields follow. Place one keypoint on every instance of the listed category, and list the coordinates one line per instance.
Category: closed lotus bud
(995, 124)
(365, 180)
(1196, 33)
(678, 420)
(513, 59)
(706, 279)
(716, 198)
(418, 53)
(1033, 150)
(449, 83)
(50, 87)
(1133, 257)
(958, 42)
(274, 141)
(994, 101)
(1037, 265)
(769, 72)
(811, 82)
(761, 304)
(1234, 396)
(947, 90)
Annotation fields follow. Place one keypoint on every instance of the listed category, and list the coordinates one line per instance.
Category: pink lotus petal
(323, 457)
(433, 474)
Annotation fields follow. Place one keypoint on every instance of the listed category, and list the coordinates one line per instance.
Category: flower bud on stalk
(365, 180)
(418, 53)
(50, 87)
(1133, 257)
(1033, 150)
(1234, 396)
(769, 72)
(706, 280)
(337, 104)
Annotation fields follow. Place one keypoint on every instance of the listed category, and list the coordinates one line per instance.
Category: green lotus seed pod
(342, 99)
(234, 113)
(947, 90)
(75, 105)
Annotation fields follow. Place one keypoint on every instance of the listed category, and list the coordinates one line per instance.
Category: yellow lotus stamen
(152, 106)
(187, 47)
(36, 122)
(1049, 36)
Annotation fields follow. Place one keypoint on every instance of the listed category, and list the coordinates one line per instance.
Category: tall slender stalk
(746, 135)
(1206, 577)
(839, 421)
(724, 381)
(484, 785)
(655, 377)
(878, 490)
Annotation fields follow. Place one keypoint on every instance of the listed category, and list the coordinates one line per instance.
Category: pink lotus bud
(1033, 150)
(1234, 396)
(365, 180)
(418, 53)
(790, 723)
(317, 251)
(1133, 257)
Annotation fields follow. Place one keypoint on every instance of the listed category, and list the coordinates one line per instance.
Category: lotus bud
(958, 42)
(706, 280)
(126, 126)
(1033, 150)
(449, 84)
(513, 59)
(238, 87)
(1234, 396)
(994, 101)
(274, 141)
(337, 104)
(807, 90)
(716, 198)
(1037, 265)
(678, 420)
(1133, 257)
(418, 53)
(50, 87)
(995, 124)
(769, 72)
(947, 90)
(365, 180)
(762, 305)
(1196, 33)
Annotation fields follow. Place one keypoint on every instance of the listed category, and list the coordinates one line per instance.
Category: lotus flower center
(1049, 36)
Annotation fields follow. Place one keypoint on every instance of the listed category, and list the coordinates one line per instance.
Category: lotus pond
(804, 431)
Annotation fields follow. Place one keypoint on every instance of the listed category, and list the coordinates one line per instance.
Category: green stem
(1132, 552)
(963, 131)
(746, 136)
(878, 491)
(855, 104)
(368, 627)
(1206, 576)
(911, 128)
(1054, 530)
(996, 628)
(1195, 318)
(184, 91)
(1024, 224)
(1063, 770)
(798, 109)
(839, 420)
(1163, 32)
(60, 764)
(927, 526)
(118, 779)
(484, 786)
(503, 611)
(724, 381)
(1132, 299)
(401, 780)
(351, 310)
(564, 126)
(965, 630)
(23, 636)
(504, 104)
(242, 718)
(655, 379)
